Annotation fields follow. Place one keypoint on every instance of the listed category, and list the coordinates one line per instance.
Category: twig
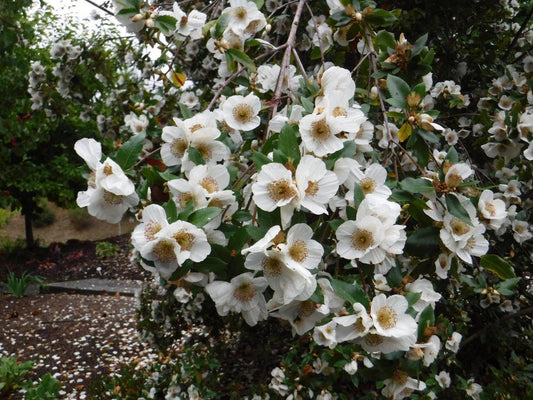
(517, 35)
(481, 332)
(100, 7)
(291, 41)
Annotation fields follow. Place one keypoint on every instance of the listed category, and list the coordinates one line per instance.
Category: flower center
(184, 198)
(108, 170)
(184, 239)
(320, 130)
(205, 151)
(272, 266)
(112, 198)
(241, 13)
(368, 185)
(459, 227)
(243, 113)
(178, 147)
(400, 377)
(298, 251)
(306, 308)
(209, 184)
(164, 251)
(489, 206)
(387, 317)
(244, 292)
(151, 229)
(373, 340)
(362, 239)
(339, 112)
(195, 127)
(281, 190)
(312, 188)
(454, 180)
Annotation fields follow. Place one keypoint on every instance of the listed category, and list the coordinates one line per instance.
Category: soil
(74, 337)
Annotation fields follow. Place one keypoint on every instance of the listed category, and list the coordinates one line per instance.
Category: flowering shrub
(298, 162)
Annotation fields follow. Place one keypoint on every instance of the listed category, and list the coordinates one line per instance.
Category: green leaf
(186, 113)
(506, 287)
(425, 319)
(204, 215)
(288, 143)
(241, 58)
(258, 3)
(424, 242)
(452, 156)
(241, 216)
(380, 17)
(417, 185)
(307, 104)
(412, 298)
(455, 208)
(129, 152)
(238, 239)
(385, 40)
(358, 195)
(165, 23)
(195, 156)
(398, 88)
(419, 45)
(351, 292)
(497, 265)
(172, 211)
(339, 19)
(221, 25)
(259, 160)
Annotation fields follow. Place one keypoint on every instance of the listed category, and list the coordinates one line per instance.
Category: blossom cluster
(296, 192)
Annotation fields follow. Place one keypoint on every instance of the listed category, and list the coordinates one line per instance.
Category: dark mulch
(76, 338)
(74, 260)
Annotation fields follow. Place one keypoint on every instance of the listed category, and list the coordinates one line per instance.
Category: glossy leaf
(129, 152)
(497, 265)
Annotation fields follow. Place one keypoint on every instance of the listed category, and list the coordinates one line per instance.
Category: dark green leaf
(129, 152)
(185, 112)
(339, 19)
(288, 143)
(222, 24)
(506, 287)
(497, 265)
(204, 215)
(241, 58)
(351, 292)
(195, 156)
(241, 216)
(424, 242)
(165, 23)
(398, 88)
(416, 185)
(425, 320)
(455, 208)
(419, 45)
(171, 210)
(358, 195)
(385, 40)
(259, 160)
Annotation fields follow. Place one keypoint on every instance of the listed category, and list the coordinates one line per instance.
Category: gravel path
(73, 337)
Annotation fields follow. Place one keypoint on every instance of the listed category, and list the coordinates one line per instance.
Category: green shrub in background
(79, 217)
(13, 378)
(45, 216)
(6, 215)
(106, 249)
(18, 285)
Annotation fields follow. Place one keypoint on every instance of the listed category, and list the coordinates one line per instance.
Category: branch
(481, 332)
(100, 7)
(291, 41)
(517, 35)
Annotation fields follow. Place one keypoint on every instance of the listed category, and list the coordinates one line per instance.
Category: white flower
(453, 342)
(325, 335)
(390, 318)
(105, 205)
(492, 210)
(371, 181)
(401, 385)
(360, 240)
(245, 18)
(316, 185)
(474, 389)
(244, 294)
(275, 188)
(187, 25)
(356, 325)
(456, 174)
(302, 315)
(443, 265)
(521, 231)
(176, 140)
(241, 113)
(174, 244)
(153, 219)
(428, 295)
(443, 379)
(319, 134)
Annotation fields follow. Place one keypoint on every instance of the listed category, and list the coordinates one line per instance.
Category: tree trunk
(30, 242)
